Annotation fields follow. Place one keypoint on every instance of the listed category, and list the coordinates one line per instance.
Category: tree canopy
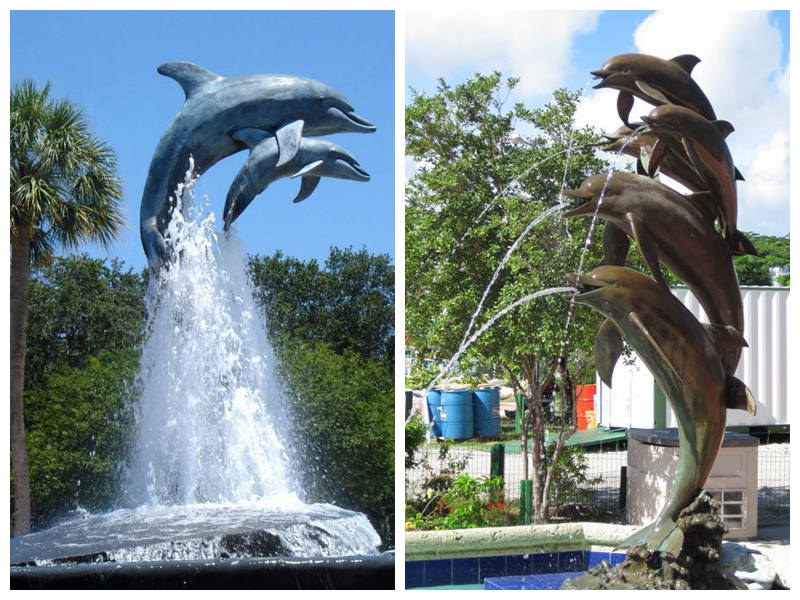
(773, 251)
(474, 194)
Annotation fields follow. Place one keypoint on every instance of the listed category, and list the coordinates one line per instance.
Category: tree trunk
(20, 282)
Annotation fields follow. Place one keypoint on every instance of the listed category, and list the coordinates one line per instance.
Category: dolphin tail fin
(739, 395)
(662, 536)
(188, 75)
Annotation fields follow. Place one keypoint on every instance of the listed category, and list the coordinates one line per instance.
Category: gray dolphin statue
(703, 142)
(216, 107)
(672, 229)
(654, 80)
(684, 361)
(315, 158)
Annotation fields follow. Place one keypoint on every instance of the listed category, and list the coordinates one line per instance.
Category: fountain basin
(353, 572)
(259, 545)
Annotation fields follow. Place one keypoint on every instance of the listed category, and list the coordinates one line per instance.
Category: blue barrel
(486, 404)
(434, 410)
(457, 414)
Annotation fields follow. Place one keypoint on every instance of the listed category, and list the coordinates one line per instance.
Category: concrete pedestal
(653, 466)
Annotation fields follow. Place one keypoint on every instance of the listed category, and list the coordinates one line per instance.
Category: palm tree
(64, 190)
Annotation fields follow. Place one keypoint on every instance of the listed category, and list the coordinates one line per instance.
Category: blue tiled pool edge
(461, 571)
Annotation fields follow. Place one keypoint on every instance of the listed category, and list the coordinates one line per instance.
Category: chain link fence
(605, 499)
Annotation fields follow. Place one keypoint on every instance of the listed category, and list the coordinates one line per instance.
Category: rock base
(697, 566)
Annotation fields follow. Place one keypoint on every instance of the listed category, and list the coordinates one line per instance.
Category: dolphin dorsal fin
(290, 137)
(724, 127)
(188, 75)
(739, 176)
(687, 62)
(739, 396)
(250, 136)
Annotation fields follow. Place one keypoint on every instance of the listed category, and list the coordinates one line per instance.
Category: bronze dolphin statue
(703, 142)
(674, 165)
(654, 80)
(671, 229)
(684, 360)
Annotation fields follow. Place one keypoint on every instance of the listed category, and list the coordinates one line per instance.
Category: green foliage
(80, 424)
(474, 194)
(64, 183)
(349, 304)
(420, 375)
(570, 477)
(78, 307)
(773, 252)
(415, 437)
(344, 421)
(467, 503)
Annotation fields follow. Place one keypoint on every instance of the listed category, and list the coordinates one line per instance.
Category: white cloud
(741, 73)
(438, 42)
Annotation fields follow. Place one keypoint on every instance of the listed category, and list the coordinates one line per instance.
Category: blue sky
(744, 71)
(106, 63)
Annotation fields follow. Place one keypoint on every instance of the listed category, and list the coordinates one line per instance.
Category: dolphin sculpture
(314, 159)
(668, 228)
(674, 165)
(288, 107)
(654, 80)
(684, 361)
(684, 131)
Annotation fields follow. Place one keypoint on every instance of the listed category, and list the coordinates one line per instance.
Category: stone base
(697, 566)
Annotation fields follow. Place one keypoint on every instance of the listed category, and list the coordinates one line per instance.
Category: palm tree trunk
(20, 282)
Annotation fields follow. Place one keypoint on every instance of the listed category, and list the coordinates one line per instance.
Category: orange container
(586, 394)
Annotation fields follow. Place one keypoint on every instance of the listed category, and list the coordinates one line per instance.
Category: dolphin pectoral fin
(308, 185)
(615, 245)
(250, 136)
(607, 350)
(694, 158)
(188, 75)
(728, 342)
(647, 247)
(657, 154)
(634, 317)
(687, 62)
(739, 176)
(624, 106)
(289, 138)
(307, 169)
(653, 92)
(739, 395)
(640, 168)
(725, 128)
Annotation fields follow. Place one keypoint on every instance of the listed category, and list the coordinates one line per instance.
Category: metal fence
(604, 498)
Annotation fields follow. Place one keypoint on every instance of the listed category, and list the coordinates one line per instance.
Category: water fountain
(210, 499)
(694, 236)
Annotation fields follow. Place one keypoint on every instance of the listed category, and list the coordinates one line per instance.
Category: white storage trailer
(635, 400)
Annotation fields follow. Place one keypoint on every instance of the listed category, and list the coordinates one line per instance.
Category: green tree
(344, 408)
(79, 306)
(349, 303)
(475, 192)
(80, 420)
(64, 190)
(773, 251)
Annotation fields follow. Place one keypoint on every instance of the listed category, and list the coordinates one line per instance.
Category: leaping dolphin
(684, 361)
(672, 229)
(314, 159)
(703, 142)
(654, 80)
(289, 107)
